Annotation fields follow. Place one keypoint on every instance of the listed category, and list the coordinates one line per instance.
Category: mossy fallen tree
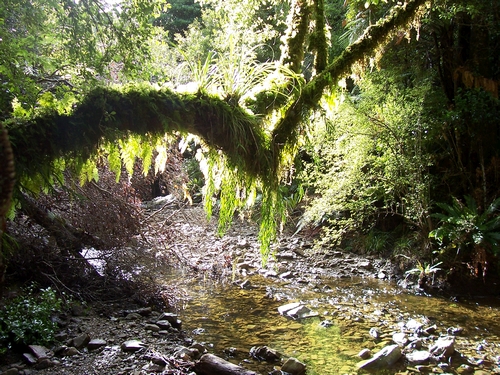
(110, 114)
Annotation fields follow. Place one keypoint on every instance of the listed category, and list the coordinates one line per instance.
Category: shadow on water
(230, 320)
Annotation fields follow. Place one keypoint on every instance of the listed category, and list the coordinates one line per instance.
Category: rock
(210, 364)
(465, 369)
(198, 331)
(289, 306)
(29, 358)
(172, 318)
(80, 341)
(365, 354)
(301, 312)
(400, 338)
(444, 347)
(286, 275)
(39, 351)
(43, 363)
(71, 351)
(420, 357)
(133, 316)
(326, 323)
(187, 354)
(132, 345)
(201, 348)
(264, 353)
(455, 331)
(430, 330)
(164, 324)
(151, 327)
(386, 357)
(375, 333)
(96, 343)
(294, 366)
(153, 367)
(414, 325)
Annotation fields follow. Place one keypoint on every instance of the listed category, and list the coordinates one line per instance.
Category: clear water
(231, 317)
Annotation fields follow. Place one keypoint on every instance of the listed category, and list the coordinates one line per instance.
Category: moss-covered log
(109, 113)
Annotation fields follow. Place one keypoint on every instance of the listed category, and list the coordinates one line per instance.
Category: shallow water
(226, 316)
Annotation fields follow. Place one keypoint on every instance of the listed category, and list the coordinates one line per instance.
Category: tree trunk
(7, 180)
(210, 364)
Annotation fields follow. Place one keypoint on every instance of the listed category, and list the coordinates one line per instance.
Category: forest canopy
(378, 109)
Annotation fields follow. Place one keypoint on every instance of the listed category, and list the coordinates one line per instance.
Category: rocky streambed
(348, 316)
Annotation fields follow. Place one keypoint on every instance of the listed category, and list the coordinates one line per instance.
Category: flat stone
(96, 343)
(419, 357)
(39, 351)
(152, 327)
(132, 345)
(164, 324)
(289, 306)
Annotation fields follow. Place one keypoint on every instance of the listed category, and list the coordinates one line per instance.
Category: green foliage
(424, 269)
(463, 225)
(370, 158)
(58, 48)
(26, 320)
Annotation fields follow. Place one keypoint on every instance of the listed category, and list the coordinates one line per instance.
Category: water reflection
(237, 318)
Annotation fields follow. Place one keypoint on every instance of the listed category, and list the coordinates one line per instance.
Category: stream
(230, 320)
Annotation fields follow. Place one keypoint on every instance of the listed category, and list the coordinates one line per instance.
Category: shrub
(26, 319)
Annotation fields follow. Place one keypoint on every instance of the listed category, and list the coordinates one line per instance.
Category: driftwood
(210, 364)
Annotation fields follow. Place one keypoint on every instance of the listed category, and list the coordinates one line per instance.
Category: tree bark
(7, 181)
(210, 364)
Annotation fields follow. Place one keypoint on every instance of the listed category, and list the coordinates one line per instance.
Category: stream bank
(229, 304)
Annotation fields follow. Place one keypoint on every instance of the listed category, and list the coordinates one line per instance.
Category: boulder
(386, 357)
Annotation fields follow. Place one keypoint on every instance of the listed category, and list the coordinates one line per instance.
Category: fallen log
(210, 364)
